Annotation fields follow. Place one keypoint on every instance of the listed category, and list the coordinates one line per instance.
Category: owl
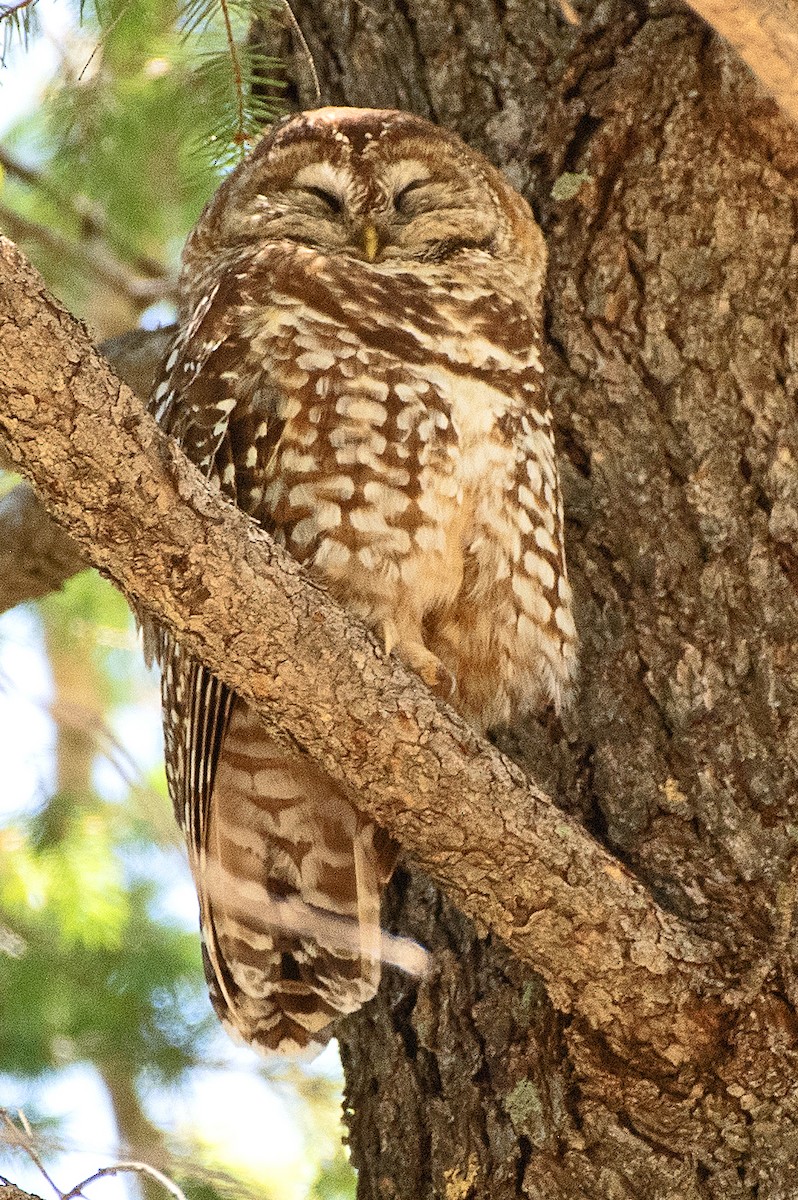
(357, 367)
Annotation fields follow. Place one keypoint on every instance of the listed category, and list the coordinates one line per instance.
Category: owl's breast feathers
(389, 427)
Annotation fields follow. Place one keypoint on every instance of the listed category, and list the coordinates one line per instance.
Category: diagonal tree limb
(92, 259)
(507, 856)
(765, 35)
(36, 555)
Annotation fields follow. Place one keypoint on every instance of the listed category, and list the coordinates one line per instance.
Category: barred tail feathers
(290, 884)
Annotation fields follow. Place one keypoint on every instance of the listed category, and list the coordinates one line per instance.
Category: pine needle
(17, 22)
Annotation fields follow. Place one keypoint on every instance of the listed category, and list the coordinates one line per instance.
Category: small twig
(570, 13)
(106, 33)
(25, 1143)
(238, 77)
(220, 1181)
(292, 21)
(138, 1167)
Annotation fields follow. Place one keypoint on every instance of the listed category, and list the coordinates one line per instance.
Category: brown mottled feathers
(358, 366)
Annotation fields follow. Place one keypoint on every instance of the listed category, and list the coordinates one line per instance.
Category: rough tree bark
(666, 182)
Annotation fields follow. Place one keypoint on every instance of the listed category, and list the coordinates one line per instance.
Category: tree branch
(87, 214)
(93, 259)
(765, 35)
(507, 856)
(36, 556)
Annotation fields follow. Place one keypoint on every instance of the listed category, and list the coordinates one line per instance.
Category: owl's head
(380, 185)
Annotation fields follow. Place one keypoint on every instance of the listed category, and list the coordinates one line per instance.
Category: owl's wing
(228, 430)
(217, 401)
(288, 875)
(192, 402)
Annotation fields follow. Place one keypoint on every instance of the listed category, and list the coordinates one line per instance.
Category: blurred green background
(115, 125)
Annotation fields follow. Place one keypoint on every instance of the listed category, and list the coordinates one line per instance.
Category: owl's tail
(289, 891)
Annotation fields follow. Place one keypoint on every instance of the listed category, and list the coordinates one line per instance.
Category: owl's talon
(390, 637)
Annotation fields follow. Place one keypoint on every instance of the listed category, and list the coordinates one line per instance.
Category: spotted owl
(357, 367)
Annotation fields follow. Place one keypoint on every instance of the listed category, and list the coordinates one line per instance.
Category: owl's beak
(371, 241)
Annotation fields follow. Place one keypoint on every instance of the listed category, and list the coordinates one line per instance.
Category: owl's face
(381, 186)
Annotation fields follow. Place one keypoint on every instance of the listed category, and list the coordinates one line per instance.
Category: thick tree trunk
(666, 182)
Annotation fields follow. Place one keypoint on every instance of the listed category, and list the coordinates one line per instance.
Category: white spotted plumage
(358, 366)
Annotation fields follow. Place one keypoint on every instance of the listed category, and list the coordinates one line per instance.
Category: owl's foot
(415, 655)
(437, 677)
